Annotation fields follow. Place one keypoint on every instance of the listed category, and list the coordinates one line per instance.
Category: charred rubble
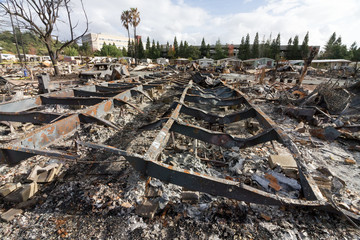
(179, 152)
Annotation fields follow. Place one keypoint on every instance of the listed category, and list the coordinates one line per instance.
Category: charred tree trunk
(307, 63)
(53, 57)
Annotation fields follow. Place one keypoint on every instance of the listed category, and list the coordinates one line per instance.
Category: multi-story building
(97, 40)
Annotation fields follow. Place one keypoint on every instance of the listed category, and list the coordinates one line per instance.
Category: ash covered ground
(98, 197)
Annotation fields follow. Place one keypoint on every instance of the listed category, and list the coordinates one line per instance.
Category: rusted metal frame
(162, 138)
(100, 88)
(214, 101)
(148, 166)
(119, 102)
(135, 91)
(48, 134)
(310, 189)
(86, 118)
(223, 139)
(221, 93)
(13, 156)
(35, 102)
(83, 93)
(213, 118)
(31, 117)
(120, 85)
(71, 100)
(203, 183)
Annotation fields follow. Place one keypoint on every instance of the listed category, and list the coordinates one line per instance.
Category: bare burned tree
(41, 16)
(307, 62)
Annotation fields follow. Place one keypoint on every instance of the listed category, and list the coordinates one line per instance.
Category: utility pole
(16, 42)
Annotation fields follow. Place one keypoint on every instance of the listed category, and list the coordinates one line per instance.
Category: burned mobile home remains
(206, 134)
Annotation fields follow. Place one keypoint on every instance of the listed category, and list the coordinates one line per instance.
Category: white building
(97, 40)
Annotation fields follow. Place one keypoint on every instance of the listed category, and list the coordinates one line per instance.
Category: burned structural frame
(148, 165)
(58, 126)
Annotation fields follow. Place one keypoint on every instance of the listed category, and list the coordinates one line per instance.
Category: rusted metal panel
(31, 117)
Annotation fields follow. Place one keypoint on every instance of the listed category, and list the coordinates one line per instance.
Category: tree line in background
(333, 49)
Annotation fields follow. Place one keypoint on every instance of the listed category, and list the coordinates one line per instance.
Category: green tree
(158, 50)
(304, 49)
(130, 50)
(167, 49)
(85, 49)
(186, 49)
(275, 48)
(247, 47)
(110, 51)
(124, 52)
(176, 47)
(241, 53)
(267, 48)
(141, 50)
(208, 48)
(193, 52)
(354, 55)
(288, 49)
(334, 49)
(294, 50)
(71, 51)
(153, 50)
(181, 49)
(219, 51)
(255, 47)
(203, 48)
(147, 47)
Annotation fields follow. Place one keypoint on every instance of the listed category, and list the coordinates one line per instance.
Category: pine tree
(304, 49)
(275, 48)
(208, 48)
(219, 52)
(255, 47)
(186, 49)
(124, 52)
(241, 53)
(181, 49)
(158, 49)
(176, 47)
(288, 49)
(167, 49)
(247, 47)
(295, 52)
(140, 48)
(203, 48)
(153, 50)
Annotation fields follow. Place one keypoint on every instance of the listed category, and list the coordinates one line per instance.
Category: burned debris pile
(180, 152)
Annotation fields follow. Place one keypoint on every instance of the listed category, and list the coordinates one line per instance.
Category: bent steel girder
(213, 118)
(201, 182)
(223, 139)
(14, 155)
(31, 117)
(214, 101)
(63, 125)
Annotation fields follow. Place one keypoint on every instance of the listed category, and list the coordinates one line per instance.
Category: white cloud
(164, 19)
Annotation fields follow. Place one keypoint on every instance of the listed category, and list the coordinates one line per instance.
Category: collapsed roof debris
(214, 154)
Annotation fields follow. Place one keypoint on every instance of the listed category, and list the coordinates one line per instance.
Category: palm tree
(126, 20)
(135, 20)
